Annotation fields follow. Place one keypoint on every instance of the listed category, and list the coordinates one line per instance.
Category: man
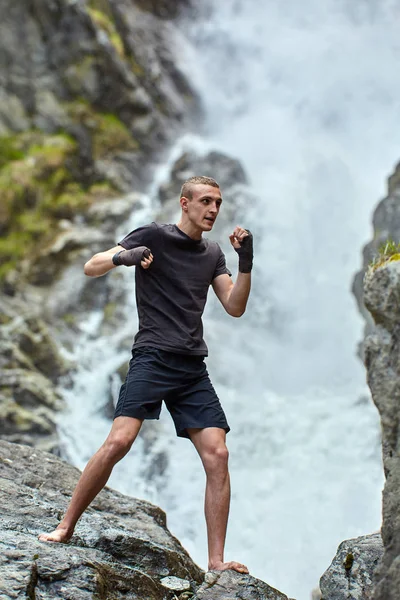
(175, 267)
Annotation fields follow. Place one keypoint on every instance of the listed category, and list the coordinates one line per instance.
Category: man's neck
(190, 230)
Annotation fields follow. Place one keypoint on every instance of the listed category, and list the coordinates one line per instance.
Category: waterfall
(305, 95)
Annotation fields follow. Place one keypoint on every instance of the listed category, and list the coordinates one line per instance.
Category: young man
(175, 267)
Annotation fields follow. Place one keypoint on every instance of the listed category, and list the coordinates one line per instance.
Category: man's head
(200, 202)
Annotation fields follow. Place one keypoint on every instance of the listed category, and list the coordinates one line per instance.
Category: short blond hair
(187, 187)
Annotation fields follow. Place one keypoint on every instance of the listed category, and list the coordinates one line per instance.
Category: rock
(175, 584)
(386, 225)
(110, 213)
(121, 547)
(30, 367)
(227, 585)
(227, 171)
(100, 78)
(350, 575)
(381, 291)
(164, 8)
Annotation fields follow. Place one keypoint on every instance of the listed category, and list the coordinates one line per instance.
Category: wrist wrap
(132, 257)
(246, 253)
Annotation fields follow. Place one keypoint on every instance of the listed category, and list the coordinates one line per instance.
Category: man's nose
(213, 208)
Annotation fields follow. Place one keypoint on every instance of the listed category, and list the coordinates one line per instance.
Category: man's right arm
(102, 262)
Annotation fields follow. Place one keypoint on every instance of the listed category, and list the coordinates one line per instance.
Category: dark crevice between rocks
(30, 588)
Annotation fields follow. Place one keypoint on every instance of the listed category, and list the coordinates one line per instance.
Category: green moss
(33, 189)
(104, 21)
(102, 190)
(348, 562)
(111, 136)
(37, 188)
(9, 150)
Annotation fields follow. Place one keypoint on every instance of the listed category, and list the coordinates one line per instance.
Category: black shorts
(180, 380)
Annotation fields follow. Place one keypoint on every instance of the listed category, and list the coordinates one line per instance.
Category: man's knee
(215, 459)
(117, 445)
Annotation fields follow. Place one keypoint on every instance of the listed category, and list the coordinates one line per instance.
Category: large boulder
(382, 298)
(121, 549)
(350, 575)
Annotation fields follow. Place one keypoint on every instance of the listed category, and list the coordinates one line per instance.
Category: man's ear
(184, 203)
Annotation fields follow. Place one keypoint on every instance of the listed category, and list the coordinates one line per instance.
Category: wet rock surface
(351, 574)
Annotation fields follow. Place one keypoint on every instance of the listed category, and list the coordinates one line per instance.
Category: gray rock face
(350, 576)
(230, 585)
(386, 225)
(106, 55)
(381, 294)
(228, 171)
(121, 549)
(30, 366)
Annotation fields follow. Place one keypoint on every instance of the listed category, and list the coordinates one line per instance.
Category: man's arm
(233, 296)
(102, 262)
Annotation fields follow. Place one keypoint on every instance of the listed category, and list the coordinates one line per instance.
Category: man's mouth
(209, 219)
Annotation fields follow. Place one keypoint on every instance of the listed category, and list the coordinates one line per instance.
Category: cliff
(91, 95)
(363, 569)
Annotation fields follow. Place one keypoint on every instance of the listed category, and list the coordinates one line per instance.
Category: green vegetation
(109, 134)
(387, 252)
(38, 180)
(104, 21)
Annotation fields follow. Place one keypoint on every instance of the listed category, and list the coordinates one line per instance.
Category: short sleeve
(221, 268)
(142, 236)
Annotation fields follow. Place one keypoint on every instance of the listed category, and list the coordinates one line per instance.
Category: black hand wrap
(246, 253)
(132, 257)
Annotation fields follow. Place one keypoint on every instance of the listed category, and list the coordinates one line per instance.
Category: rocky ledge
(382, 299)
(121, 548)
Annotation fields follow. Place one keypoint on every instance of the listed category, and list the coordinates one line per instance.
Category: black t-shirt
(172, 293)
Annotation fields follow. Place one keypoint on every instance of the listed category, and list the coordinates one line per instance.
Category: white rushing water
(305, 95)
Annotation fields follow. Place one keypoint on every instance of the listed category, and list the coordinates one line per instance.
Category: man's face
(203, 208)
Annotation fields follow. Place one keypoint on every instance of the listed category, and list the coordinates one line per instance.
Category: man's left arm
(234, 296)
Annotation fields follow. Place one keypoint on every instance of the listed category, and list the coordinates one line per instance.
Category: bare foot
(61, 535)
(234, 566)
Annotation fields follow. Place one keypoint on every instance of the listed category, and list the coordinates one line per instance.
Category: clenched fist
(242, 240)
(134, 257)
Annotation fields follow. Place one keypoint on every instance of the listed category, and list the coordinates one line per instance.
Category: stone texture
(350, 575)
(226, 170)
(381, 294)
(386, 225)
(230, 585)
(121, 549)
(30, 367)
(110, 54)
